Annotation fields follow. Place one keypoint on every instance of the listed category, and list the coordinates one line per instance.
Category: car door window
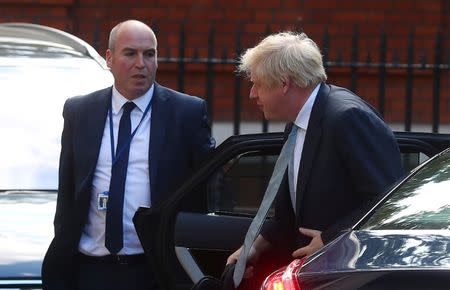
(238, 186)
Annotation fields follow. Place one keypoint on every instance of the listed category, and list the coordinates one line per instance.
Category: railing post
(409, 83)
(181, 66)
(210, 74)
(437, 82)
(382, 74)
(265, 122)
(326, 47)
(354, 64)
(237, 87)
(96, 36)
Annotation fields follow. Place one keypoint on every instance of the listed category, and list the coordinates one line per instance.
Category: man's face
(133, 60)
(270, 100)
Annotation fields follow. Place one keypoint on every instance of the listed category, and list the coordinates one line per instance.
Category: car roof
(15, 32)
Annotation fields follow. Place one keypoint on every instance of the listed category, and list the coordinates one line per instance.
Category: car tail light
(284, 278)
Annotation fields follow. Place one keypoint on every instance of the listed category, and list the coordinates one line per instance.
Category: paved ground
(223, 130)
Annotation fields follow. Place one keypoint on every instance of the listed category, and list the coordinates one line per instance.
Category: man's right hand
(260, 245)
(232, 259)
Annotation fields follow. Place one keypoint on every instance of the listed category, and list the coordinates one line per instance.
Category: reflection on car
(402, 243)
(40, 67)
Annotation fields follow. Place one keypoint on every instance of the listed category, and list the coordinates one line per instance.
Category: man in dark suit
(345, 156)
(123, 147)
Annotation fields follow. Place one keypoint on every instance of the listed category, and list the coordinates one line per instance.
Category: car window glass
(410, 160)
(422, 202)
(238, 186)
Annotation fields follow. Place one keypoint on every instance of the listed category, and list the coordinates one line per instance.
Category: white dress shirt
(301, 122)
(137, 184)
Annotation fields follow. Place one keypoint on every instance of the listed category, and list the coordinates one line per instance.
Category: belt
(114, 259)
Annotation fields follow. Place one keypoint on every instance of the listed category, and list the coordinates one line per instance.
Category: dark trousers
(115, 276)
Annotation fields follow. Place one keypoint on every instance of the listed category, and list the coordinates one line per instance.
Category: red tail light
(284, 278)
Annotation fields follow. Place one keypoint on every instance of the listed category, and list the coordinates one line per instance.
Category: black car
(40, 67)
(402, 243)
(186, 244)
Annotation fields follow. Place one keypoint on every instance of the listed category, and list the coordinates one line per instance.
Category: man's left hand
(315, 244)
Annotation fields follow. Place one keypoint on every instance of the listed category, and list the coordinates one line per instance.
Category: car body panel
(383, 250)
(26, 220)
(380, 260)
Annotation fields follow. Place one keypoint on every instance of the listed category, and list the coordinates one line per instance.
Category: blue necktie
(286, 153)
(114, 212)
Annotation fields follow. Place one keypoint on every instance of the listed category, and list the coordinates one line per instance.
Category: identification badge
(102, 201)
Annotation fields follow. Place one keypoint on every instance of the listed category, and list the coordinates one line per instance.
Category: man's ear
(108, 58)
(286, 84)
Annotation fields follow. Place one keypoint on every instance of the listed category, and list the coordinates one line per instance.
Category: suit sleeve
(65, 181)
(371, 157)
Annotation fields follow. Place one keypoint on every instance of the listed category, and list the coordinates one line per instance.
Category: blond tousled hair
(282, 56)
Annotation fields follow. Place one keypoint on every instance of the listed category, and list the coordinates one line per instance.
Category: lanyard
(115, 157)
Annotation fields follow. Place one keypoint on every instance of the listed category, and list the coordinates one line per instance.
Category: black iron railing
(377, 61)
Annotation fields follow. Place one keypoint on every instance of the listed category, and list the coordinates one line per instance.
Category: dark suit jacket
(179, 139)
(350, 157)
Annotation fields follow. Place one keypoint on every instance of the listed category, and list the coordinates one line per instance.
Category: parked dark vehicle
(232, 183)
(40, 67)
(402, 243)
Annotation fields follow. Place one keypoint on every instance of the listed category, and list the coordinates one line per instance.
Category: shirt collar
(118, 100)
(302, 119)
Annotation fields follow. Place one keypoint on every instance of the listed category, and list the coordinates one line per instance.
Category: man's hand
(315, 244)
(234, 257)
(260, 245)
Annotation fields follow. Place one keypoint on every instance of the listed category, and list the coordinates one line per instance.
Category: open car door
(187, 243)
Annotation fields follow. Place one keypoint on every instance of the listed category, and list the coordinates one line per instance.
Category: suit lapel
(310, 146)
(159, 120)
